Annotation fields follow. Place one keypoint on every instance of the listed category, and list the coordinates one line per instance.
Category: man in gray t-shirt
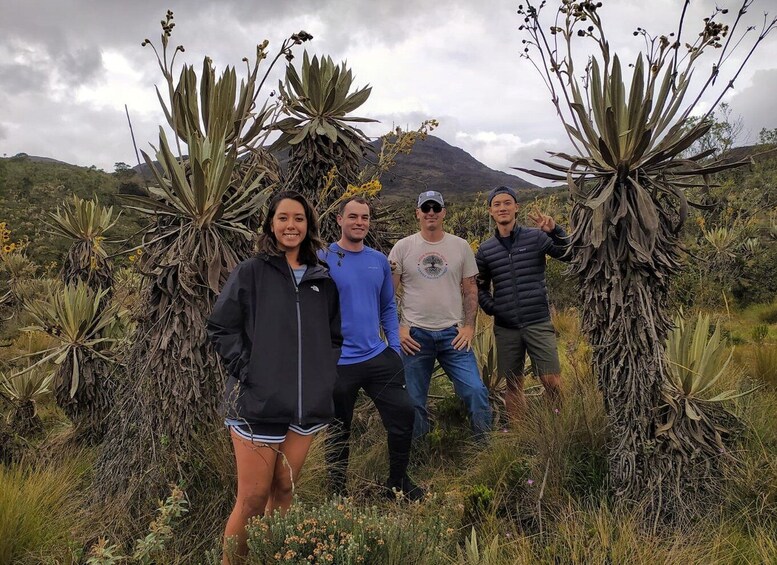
(436, 271)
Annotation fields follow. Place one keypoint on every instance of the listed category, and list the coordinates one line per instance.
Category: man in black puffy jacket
(511, 287)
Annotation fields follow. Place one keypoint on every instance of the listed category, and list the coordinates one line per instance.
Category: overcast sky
(68, 67)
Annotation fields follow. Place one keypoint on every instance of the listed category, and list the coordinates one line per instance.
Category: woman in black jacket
(276, 324)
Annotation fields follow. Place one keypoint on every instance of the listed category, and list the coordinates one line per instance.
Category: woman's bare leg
(255, 467)
(287, 469)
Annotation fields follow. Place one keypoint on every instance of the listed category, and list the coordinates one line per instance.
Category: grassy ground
(537, 494)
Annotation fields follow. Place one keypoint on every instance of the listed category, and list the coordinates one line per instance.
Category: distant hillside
(36, 159)
(754, 152)
(434, 164)
(31, 187)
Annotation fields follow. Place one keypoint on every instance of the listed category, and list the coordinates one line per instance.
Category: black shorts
(270, 433)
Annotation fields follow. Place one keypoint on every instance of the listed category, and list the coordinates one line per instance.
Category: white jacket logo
(314, 287)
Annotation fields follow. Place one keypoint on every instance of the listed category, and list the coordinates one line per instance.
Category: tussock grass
(531, 471)
(41, 506)
(764, 365)
(597, 534)
(768, 313)
(566, 322)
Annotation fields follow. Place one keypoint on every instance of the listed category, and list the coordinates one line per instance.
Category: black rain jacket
(280, 342)
(517, 273)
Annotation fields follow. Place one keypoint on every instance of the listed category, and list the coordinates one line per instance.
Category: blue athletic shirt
(367, 304)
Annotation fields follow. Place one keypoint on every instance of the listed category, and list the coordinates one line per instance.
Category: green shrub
(342, 533)
(562, 286)
(760, 333)
(480, 502)
(759, 280)
(147, 550)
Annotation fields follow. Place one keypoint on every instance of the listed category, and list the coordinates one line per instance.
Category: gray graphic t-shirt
(431, 275)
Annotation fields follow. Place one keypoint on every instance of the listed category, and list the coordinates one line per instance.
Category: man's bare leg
(552, 384)
(515, 399)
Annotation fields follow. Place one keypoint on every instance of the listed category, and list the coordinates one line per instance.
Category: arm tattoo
(470, 301)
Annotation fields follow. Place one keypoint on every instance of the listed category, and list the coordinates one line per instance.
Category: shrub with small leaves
(148, 549)
(342, 533)
(760, 332)
(479, 503)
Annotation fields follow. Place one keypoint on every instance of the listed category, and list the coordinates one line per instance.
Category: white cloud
(121, 83)
(503, 151)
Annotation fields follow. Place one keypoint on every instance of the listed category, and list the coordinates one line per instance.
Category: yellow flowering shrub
(7, 245)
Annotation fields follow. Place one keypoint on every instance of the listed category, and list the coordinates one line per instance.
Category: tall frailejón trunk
(624, 270)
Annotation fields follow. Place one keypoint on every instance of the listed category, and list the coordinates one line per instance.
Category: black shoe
(404, 487)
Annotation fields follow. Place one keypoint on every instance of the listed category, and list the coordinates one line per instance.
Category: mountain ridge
(433, 164)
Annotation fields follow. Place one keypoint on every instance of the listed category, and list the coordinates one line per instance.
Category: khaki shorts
(538, 340)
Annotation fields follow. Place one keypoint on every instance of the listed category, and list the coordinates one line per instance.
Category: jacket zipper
(512, 276)
(517, 231)
(299, 348)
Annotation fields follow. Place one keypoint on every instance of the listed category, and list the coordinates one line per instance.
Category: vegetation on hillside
(157, 488)
(30, 190)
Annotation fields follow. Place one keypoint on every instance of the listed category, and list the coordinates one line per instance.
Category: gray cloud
(19, 79)
(79, 66)
(456, 61)
(756, 104)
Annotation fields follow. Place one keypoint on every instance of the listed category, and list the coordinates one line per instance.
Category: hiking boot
(404, 487)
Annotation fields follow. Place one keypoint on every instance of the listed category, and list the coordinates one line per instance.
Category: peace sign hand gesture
(544, 222)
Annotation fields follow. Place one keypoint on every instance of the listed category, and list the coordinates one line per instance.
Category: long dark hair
(310, 246)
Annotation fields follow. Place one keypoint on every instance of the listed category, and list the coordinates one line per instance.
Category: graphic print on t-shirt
(432, 265)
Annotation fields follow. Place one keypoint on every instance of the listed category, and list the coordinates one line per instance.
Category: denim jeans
(461, 368)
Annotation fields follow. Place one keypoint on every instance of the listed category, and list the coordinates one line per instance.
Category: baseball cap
(430, 196)
(501, 190)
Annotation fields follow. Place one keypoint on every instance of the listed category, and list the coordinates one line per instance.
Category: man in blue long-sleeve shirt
(367, 305)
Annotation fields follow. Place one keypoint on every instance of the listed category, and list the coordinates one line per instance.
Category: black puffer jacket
(280, 342)
(517, 274)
